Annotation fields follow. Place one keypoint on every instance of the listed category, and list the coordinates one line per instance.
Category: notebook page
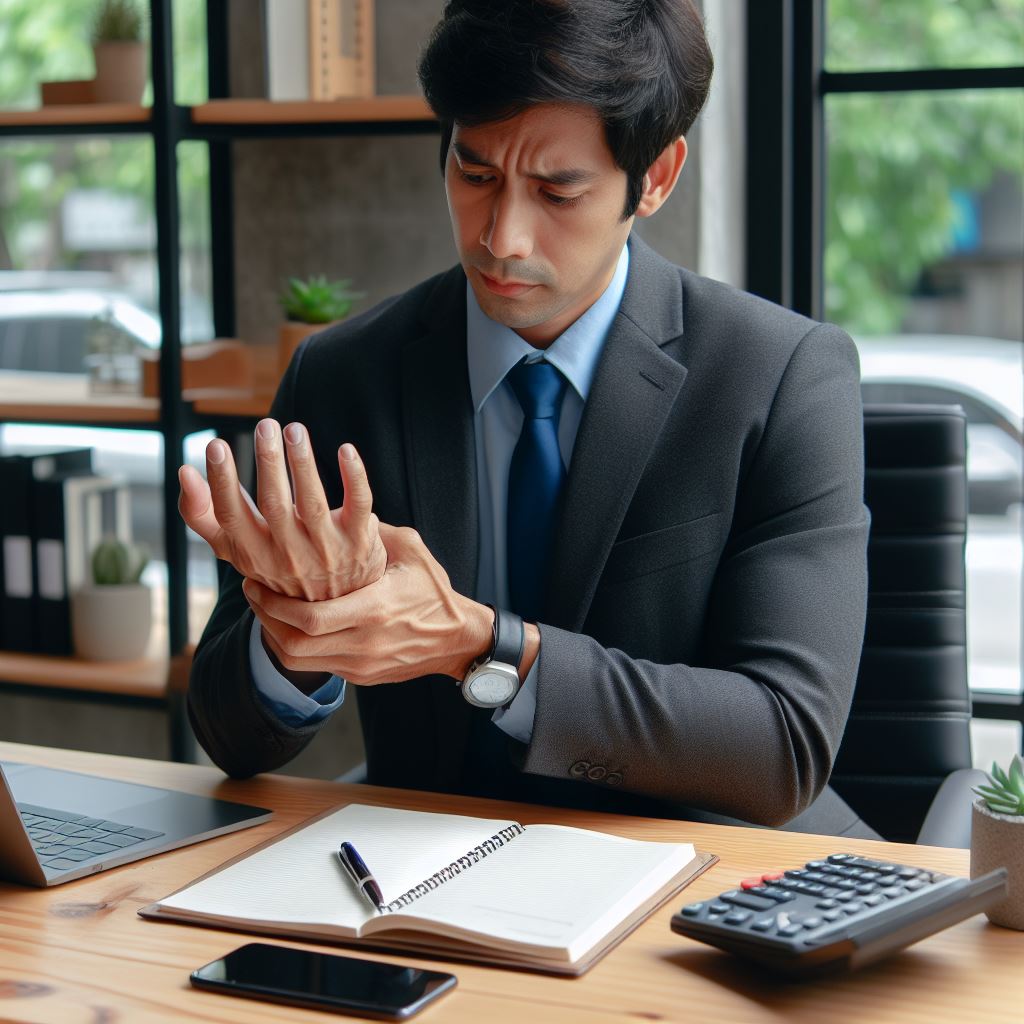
(555, 888)
(298, 880)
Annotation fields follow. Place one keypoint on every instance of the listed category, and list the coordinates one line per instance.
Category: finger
(355, 512)
(311, 618)
(195, 505)
(273, 491)
(293, 648)
(310, 499)
(237, 521)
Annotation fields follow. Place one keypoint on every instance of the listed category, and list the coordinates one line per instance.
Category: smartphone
(323, 981)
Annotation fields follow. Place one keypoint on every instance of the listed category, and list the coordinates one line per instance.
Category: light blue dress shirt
(492, 350)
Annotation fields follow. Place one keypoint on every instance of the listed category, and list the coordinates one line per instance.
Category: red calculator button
(773, 876)
(750, 883)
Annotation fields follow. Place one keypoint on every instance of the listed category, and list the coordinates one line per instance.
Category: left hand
(408, 623)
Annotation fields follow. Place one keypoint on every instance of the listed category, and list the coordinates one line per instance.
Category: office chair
(908, 731)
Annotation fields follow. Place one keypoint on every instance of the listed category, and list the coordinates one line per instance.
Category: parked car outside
(986, 377)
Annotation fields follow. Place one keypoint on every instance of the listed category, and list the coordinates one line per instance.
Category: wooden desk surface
(78, 952)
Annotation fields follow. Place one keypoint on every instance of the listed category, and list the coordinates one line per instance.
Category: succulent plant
(114, 561)
(317, 300)
(117, 21)
(1005, 795)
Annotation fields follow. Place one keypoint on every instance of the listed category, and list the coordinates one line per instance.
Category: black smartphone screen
(323, 980)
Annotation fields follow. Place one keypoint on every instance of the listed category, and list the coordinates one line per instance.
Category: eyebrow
(568, 176)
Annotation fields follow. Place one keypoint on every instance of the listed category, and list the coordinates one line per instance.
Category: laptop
(58, 825)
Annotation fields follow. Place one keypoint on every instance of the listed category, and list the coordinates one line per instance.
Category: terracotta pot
(111, 622)
(120, 72)
(997, 841)
(291, 335)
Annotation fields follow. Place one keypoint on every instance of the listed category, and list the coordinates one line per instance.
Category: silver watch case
(490, 684)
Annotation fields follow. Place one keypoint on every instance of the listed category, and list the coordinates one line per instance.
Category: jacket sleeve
(231, 722)
(752, 731)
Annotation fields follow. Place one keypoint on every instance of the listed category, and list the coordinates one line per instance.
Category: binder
(68, 523)
(17, 594)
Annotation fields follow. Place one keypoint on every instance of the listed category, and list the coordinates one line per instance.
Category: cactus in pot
(997, 838)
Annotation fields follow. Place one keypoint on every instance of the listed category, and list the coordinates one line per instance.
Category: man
(655, 479)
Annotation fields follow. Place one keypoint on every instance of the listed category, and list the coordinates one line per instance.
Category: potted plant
(997, 838)
(119, 52)
(309, 306)
(111, 619)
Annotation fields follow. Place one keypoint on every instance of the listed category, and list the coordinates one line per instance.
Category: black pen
(360, 875)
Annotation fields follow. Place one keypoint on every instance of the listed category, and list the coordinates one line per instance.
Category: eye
(557, 200)
(474, 179)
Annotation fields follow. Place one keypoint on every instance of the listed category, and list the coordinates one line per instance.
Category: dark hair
(643, 65)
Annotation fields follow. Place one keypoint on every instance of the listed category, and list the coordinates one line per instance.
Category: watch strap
(509, 637)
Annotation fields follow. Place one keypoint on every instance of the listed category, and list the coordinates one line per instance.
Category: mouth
(508, 289)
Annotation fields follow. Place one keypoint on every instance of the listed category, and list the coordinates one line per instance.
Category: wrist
(476, 637)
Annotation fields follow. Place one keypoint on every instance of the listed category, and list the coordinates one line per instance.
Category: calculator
(834, 914)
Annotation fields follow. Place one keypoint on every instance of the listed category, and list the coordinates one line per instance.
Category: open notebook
(545, 897)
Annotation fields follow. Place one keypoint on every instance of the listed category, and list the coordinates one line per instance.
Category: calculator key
(750, 883)
(718, 908)
(873, 901)
(866, 889)
(773, 876)
(745, 899)
(844, 896)
(833, 915)
(788, 883)
(796, 873)
(892, 891)
(908, 872)
(790, 929)
(845, 883)
(691, 910)
(736, 917)
(869, 876)
(831, 893)
(852, 908)
(813, 888)
(839, 858)
(762, 924)
(915, 883)
(814, 865)
(826, 904)
(779, 895)
(811, 922)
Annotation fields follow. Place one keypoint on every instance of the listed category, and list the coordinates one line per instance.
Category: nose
(508, 233)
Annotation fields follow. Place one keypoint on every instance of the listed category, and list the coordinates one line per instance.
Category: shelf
(66, 398)
(242, 404)
(146, 678)
(370, 108)
(81, 117)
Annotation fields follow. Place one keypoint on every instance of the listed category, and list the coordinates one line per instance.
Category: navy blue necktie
(535, 480)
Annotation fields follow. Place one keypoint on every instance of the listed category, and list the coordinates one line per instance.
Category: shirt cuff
(517, 719)
(281, 697)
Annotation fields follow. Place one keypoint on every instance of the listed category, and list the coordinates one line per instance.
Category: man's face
(536, 205)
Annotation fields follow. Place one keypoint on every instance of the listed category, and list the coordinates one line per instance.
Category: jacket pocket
(649, 552)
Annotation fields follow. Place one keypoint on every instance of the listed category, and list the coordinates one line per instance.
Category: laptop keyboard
(63, 840)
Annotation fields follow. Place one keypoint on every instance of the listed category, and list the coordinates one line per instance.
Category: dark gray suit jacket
(706, 611)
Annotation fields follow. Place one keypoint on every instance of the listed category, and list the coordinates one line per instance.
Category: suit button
(579, 769)
(614, 778)
(597, 773)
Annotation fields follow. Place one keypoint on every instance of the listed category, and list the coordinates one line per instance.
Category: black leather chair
(908, 732)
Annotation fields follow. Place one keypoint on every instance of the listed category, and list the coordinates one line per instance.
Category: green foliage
(117, 21)
(1005, 794)
(896, 160)
(114, 562)
(317, 300)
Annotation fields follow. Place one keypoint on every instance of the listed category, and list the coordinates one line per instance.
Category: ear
(661, 177)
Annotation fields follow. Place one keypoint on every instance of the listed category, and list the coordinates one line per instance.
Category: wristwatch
(493, 680)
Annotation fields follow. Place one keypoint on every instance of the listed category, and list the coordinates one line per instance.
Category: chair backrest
(909, 724)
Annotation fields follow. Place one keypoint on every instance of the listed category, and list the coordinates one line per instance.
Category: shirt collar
(493, 349)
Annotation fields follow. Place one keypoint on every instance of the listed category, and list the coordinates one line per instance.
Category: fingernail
(348, 452)
(215, 452)
(293, 433)
(265, 428)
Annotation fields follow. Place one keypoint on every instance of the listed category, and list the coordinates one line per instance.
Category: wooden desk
(78, 952)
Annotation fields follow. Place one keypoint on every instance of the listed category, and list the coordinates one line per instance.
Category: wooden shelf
(78, 114)
(66, 398)
(230, 403)
(371, 108)
(147, 677)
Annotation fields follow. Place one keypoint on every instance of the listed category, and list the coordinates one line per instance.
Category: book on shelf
(19, 576)
(72, 513)
(286, 35)
(540, 897)
(341, 49)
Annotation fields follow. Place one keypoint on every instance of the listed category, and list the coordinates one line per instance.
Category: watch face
(492, 688)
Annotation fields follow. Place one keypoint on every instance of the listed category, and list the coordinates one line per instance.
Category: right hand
(300, 548)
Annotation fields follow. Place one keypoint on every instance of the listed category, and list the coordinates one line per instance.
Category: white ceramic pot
(997, 841)
(120, 72)
(112, 622)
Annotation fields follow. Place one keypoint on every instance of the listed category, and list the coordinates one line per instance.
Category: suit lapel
(437, 414)
(632, 394)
